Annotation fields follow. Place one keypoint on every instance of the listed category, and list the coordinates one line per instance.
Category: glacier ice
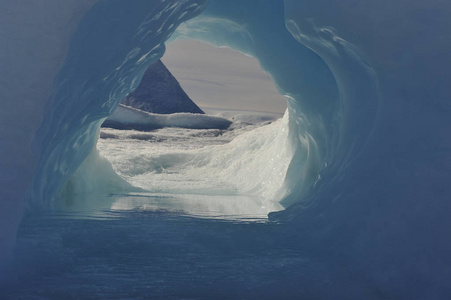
(366, 82)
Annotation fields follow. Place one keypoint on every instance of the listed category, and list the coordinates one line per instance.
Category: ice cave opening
(229, 162)
(328, 85)
(305, 141)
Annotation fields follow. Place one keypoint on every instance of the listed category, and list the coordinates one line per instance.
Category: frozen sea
(236, 173)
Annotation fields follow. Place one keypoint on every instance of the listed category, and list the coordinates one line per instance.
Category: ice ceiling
(369, 104)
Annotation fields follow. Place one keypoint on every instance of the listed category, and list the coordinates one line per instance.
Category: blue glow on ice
(368, 210)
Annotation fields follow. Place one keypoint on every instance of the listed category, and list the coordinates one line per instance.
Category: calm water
(142, 254)
(137, 254)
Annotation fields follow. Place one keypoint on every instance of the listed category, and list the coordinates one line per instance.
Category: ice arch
(105, 60)
(316, 108)
(383, 201)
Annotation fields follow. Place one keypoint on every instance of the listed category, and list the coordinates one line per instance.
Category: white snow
(237, 172)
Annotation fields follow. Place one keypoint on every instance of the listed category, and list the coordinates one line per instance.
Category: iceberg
(368, 191)
(160, 93)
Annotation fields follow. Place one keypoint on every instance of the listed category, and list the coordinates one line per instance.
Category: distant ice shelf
(125, 117)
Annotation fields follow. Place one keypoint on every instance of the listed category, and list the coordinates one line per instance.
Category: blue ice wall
(382, 200)
(388, 211)
(106, 59)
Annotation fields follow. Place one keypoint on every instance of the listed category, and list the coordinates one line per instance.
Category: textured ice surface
(217, 168)
(368, 90)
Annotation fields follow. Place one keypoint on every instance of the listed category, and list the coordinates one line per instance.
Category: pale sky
(222, 78)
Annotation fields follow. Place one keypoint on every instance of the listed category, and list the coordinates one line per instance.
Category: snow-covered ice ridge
(125, 117)
(367, 86)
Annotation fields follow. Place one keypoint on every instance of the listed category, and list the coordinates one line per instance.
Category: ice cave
(364, 210)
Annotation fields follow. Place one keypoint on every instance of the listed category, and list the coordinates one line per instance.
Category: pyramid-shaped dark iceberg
(159, 92)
